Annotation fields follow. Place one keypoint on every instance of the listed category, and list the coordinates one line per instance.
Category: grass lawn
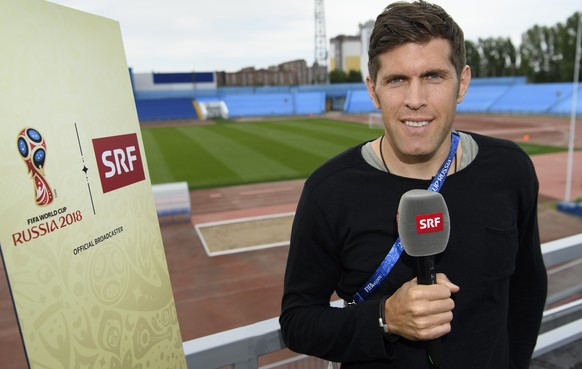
(533, 149)
(236, 153)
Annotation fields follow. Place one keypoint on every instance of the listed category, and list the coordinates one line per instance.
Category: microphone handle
(426, 274)
(425, 270)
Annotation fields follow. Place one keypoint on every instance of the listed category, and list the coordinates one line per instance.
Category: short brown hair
(417, 22)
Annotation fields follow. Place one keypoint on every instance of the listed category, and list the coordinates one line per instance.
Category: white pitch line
(197, 228)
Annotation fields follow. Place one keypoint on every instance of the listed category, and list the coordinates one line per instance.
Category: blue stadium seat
(309, 102)
(358, 101)
(160, 109)
(486, 95)
(532, 98)
(246, 105)
(499, 81)
(269, 104)
(564, 107)
(480, 98)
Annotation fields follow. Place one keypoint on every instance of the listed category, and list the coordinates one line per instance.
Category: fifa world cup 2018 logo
(32, 148)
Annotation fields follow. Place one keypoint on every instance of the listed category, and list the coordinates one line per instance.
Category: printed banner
(79, 234)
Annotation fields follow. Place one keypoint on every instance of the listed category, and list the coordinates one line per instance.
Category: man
(486, 306)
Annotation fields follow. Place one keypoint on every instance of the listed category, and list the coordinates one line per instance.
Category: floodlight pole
(573, 113)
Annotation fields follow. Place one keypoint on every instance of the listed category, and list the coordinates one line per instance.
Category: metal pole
(573, 114)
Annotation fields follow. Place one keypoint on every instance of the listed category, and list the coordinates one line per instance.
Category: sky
(228, 35)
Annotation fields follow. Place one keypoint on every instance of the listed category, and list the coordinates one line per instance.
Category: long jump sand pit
(245, 234)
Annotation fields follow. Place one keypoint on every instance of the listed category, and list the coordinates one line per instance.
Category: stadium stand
(358, 101)
(333, 90)
(480, 98)
(499, 81)
(532, 98)
(564, 107)
(259, 104)
(504, 95)
(306, 103)
(174, 94)
(268, 104)
(161, 109)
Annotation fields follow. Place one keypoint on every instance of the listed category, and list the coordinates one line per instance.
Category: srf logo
(119, 161)
(427, 223)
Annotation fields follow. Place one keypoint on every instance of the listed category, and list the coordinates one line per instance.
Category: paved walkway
(552, 170)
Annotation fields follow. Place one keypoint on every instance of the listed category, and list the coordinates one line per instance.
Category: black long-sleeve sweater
(345, 225)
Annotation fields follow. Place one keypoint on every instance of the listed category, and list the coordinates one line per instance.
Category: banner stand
(79, 234)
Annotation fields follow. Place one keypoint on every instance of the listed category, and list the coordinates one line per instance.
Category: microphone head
(423, 223)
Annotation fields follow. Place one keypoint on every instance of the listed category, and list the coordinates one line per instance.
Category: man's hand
(421, 312)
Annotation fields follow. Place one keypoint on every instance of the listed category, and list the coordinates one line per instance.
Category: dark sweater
(345, 225)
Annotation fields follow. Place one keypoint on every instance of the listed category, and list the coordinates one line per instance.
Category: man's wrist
(382, 322)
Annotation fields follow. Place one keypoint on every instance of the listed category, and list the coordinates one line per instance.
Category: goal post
(375, 120)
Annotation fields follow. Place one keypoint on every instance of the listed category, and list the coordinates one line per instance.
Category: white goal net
(375, 120)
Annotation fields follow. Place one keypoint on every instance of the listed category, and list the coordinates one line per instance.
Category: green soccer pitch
(233, 153)
(236, 153)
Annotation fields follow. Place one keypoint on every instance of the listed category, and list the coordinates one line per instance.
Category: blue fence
(508, 95)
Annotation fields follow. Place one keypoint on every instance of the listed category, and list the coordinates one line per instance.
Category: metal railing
(241, 348)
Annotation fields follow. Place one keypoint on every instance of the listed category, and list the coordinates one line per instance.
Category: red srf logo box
(118, 161)
(427, 223)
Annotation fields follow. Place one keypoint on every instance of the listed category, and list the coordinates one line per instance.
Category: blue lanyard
(396, 250)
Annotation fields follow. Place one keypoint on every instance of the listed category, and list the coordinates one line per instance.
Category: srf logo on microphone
(119, 161)
(427, 223)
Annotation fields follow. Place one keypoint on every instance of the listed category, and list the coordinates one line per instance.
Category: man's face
(417, 89)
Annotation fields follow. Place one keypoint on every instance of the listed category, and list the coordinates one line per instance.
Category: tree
(354, 76)
(566, 45)
(531, 53)
(499, 57)
(338, 76)
(547, 53)
(473, 58)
